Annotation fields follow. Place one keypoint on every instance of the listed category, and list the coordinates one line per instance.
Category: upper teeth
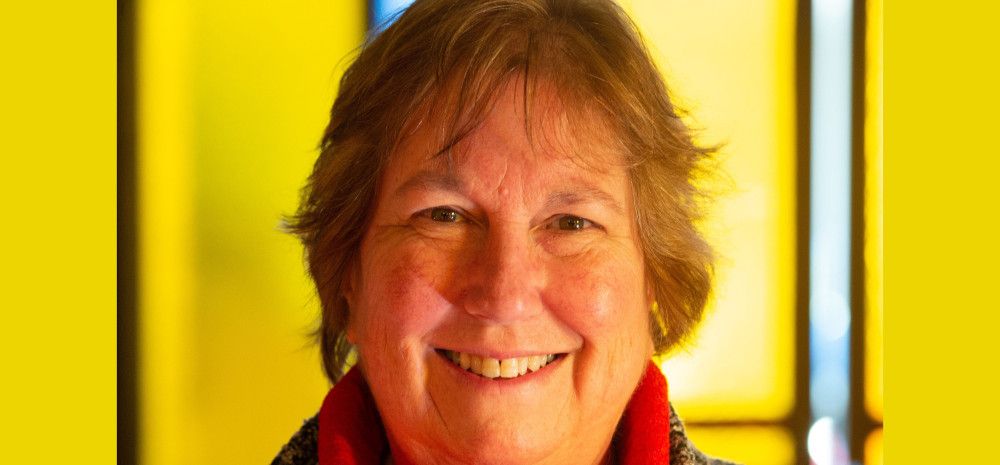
(498, 368)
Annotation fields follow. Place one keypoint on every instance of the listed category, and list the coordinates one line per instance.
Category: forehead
(527, 126)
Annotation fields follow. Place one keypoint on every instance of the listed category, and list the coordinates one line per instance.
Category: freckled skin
(503, 279)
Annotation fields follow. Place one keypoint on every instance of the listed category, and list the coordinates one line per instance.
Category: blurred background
(222, 105)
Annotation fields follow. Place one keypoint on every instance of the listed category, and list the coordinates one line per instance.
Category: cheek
(605, 303)
(603, 300)
(398, 301)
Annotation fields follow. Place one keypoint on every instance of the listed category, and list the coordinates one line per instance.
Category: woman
(500, 227)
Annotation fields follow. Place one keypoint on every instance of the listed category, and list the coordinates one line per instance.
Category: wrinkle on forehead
(554, 124)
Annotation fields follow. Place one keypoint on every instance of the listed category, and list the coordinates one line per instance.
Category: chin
(513, 434)
(503, 447)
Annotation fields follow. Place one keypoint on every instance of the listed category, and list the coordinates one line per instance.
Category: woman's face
(513, 255)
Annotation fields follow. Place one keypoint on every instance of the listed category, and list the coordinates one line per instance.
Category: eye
(443, 215)
(571, 223)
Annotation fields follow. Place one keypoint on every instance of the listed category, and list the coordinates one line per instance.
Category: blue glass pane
(384, 12)
(830, 233)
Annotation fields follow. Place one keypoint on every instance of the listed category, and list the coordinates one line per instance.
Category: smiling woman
(501, 225)
(495, 265)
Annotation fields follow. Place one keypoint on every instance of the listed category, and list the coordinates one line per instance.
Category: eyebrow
(583, 194)
(429, 180)
(426, 180)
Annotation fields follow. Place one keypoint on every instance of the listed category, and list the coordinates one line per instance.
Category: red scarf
(351, 432)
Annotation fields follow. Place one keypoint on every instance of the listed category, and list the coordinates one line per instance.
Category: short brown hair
(465, 50)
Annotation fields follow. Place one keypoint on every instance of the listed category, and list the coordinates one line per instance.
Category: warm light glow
(873, 213)
(759, 445)
(731, 63)
(166, 229)
(232, 100)
(873, 448)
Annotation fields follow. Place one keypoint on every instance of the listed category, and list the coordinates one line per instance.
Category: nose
(504, 276)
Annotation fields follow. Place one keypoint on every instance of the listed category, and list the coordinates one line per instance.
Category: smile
(493, 368)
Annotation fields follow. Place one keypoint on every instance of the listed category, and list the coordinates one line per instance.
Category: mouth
(492, 368)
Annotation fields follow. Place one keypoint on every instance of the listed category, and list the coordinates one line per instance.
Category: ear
(650, 295)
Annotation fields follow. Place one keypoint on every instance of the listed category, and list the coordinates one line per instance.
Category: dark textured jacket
(301, 449)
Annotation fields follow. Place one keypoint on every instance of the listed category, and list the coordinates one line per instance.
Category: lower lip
(466, 376)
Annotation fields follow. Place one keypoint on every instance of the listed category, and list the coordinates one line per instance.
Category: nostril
(502, 299)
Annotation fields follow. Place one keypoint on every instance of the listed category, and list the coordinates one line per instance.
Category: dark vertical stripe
(803, 112)
(860, 424)
(370, 18)
(126, 241)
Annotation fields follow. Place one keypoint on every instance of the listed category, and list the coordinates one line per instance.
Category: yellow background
(58, 261)
(57, 235)
(731, 64)
(232, 99)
